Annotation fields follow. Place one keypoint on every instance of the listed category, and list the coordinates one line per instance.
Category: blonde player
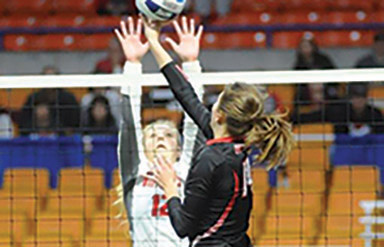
(144, 200)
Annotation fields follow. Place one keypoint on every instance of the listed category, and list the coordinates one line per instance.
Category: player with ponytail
(218, 198)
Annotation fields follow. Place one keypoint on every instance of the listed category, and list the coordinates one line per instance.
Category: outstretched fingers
(123, 28)
(200, 32)
(185, 24)
(128, 28)
(156, 177)
(173, 44)
(192, 26)
(131, 27)
(139, 28)
(177, 28)
(119, 35)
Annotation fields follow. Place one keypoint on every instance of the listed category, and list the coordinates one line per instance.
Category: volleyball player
(144, 199)
(218, 199)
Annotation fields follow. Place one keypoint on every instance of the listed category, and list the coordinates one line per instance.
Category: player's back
(225, 217)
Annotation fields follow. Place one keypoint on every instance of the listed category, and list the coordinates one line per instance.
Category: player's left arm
(190, 129)
(186, 214)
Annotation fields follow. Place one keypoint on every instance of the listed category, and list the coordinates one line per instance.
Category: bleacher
(311, 203)
(74, 25)
(79, 212)
(72, 203)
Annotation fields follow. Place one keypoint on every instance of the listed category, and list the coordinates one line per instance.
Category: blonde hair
(119, 203)
(119, 188)
(243, 105)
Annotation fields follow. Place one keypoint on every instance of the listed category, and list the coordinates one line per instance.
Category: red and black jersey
(218, 198)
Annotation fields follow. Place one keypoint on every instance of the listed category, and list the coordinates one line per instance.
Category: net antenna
(269, 77)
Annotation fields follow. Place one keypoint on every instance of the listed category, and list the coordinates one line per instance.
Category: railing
(267, 29)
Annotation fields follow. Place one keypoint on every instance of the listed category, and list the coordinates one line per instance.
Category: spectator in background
(358, 118)
(114, 61)
(63, 108)
(50, 70)
(42, 119)
(314, 107)
(308, 57)
(100, 119)
(355, 116)
(376, 58)
(113, 100)
(319, 110)
(6, 126)
(203, 8)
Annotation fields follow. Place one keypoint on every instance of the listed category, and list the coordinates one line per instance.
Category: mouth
(161, 146)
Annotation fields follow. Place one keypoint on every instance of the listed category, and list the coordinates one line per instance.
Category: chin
(162, 150)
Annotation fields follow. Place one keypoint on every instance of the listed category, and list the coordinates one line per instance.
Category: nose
(160, 137)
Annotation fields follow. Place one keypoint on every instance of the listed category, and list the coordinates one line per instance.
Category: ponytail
(243, 105)
(272, 134)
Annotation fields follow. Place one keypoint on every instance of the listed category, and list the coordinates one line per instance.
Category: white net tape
(272, 77)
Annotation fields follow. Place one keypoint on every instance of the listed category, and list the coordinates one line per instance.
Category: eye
(169, 135)
(152, 135)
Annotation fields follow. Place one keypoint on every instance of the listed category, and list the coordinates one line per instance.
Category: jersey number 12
(157, 209)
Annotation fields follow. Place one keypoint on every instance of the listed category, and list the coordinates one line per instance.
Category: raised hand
(189, 46)
(165, 176)
(129, 38)
(152, 29)
(152, 32)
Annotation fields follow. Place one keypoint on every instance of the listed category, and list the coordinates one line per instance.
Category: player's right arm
(178, 83)
(187, 97)
(131, 151)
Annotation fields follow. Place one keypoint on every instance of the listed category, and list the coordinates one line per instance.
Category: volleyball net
(59, 164)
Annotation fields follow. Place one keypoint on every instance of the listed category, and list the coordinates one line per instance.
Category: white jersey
(146, 204)
(150, 222)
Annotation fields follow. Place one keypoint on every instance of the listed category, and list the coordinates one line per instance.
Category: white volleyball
(160, 10)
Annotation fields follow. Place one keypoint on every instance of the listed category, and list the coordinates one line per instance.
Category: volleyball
(160, 10)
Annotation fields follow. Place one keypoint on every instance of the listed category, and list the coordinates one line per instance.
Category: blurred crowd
(206, 9)
(58, 112)
(345, 105)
